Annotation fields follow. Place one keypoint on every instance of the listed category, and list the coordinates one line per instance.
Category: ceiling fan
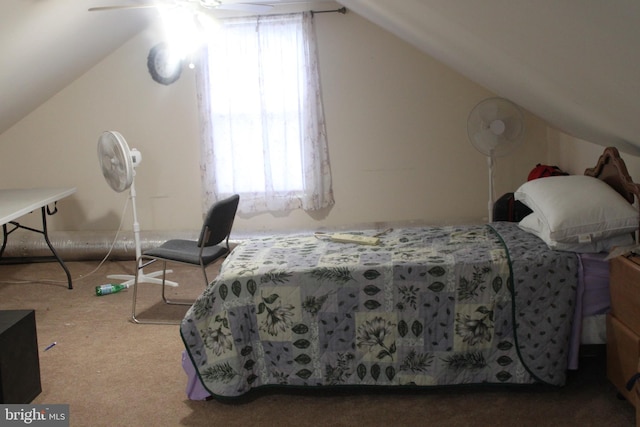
(256, 6)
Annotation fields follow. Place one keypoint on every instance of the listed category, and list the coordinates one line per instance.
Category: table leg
(5, 234)
(46, 239)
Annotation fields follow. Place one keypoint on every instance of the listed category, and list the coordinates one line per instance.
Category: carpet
(113, 372)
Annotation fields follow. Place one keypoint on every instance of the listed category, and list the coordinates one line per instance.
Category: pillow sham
(532, 224)
(578, 208)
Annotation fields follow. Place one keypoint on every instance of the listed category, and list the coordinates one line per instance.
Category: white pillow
(532, 224)
(578, 208)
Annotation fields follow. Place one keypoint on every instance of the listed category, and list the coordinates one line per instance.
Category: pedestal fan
(495, 127)
(118, 164)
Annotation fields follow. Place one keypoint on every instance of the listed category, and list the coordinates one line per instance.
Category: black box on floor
(19, 363)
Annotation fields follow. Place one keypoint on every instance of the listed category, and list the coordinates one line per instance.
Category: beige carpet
(115, 373)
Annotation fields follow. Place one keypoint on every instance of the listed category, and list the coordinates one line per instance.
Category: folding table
(15, 203)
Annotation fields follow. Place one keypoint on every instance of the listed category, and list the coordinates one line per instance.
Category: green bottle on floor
(109, 289)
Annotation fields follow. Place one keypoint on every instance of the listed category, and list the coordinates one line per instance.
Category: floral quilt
(426, 307)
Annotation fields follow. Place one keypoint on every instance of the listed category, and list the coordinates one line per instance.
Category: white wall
(396, 123)
(575, 155)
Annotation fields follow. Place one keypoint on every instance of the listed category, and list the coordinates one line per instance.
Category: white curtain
(262, 123)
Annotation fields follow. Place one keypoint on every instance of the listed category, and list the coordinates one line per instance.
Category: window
(263, 131)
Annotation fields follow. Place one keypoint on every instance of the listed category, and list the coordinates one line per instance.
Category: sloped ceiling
(574, 63)
(46, 44)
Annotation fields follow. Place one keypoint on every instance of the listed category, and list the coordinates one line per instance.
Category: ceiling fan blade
(141, 6)
(245, 7)
(237, 5)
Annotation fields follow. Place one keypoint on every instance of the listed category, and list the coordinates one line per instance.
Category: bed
(426, 306)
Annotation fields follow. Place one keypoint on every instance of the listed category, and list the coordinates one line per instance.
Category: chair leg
(206, 280)
(135, 297)
(134, 318)
(164, 298)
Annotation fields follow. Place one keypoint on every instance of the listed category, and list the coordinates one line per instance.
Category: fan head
(117, 160)
(495, 127)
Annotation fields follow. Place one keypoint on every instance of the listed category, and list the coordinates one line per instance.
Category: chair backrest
(219, 221)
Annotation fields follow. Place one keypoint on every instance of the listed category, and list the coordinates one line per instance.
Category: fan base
(143, 278)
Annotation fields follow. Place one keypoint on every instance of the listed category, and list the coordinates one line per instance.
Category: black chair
(202, 252)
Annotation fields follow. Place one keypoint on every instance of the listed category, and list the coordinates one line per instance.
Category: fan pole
(136, 226)
(142, 278)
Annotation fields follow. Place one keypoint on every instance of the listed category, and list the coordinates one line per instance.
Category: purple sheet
(195, 389)
(592, 297)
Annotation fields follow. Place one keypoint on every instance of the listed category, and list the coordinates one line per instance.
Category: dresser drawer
(623, 353)
(636, 392)
(625, 291)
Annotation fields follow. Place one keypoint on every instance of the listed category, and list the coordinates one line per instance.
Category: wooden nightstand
(623, 324)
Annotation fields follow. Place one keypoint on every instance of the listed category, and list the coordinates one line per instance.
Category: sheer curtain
(262, 123)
